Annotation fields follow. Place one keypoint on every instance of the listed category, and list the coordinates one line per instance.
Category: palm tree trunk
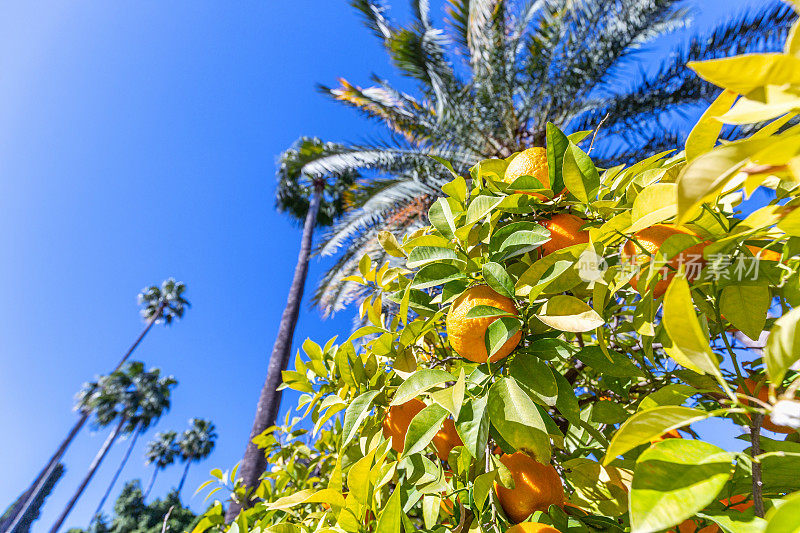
(39, 482)
(134, 436)
(254, 462)
(183, 477)
(89, 475)
(152, 481)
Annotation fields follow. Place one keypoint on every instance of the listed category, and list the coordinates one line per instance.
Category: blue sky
(138, 141)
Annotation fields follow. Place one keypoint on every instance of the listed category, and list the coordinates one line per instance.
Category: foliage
(133, 515)
(165, 303)
(485, 83)
(33, 513)
(604, 374)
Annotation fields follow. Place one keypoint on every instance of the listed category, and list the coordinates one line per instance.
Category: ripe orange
(671, 434)
(531, 527)
(651, 240)
(565, 230)
(690, 526)
(738, 502)
(536, 487)
(762, 254)
(530, 162)
(446, 439)
(763, 395)
(467, 334)
(396, 423)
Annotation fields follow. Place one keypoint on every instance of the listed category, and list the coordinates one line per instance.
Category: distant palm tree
(148, 399)
(196, 444)
(487, 83)
(161, 452)
(120, 397)
(317, 200)
(158, 305)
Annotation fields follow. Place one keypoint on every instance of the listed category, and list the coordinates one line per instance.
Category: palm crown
(162, 450)
(165, 303)
(487, 85)
(198, 441)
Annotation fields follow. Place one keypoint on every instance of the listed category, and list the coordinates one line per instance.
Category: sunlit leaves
(567, 313)
(517, 420)
(419, 382)
(704, 134)
(644, 426)
(580, 175)
(745, 305)
(675, 479)
(783, 346)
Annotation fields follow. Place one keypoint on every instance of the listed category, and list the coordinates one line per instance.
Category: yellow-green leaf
(783, 345)
(567, 313)
(705, 133)
(683, 328)
(744, 73)
(745, 305)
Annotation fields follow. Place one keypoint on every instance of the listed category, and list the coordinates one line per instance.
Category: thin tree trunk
(254, 462)
(89, 475)
(39, 482)
(125, 458)
(152, 481)
(183, 477)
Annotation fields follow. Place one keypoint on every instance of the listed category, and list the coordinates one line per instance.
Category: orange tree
(526, 360)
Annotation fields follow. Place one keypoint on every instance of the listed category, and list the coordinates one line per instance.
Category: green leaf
(786, 517)
(744, 73)
(644, 426)
(484, 484)
(705, 133)
(619, 365)
(422, 255)
(567, 313)
(522, 237)
(355, 414)
(499, 332)
(654, 204)
(442, 217)
(423, 428)
(608, 412)
(436, 274)
(516, 418)
(419, 382)
(735, 521)
(498, 279)
(391, 516)
(675, 479)
(580, 175)
(783, 346)
(483, 311)
(536, 379)
(567, 403)
(672, 394)
(557, 144)
(480, 206)
(708, 174)
(390, 244)
(745, 305)
(473, 426)
(680, 321)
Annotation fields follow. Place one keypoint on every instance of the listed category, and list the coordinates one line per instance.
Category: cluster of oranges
(537, 486)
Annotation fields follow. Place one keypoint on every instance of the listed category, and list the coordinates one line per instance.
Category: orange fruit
(446, 439)
(762, 254)
(671, 434)
(530, 162)
(396, 423)
(690, 526)
(531, 527)
(738, 502)
(536, 487)
(565, 230)
(763, 395)
(651, 240)
(467, 334)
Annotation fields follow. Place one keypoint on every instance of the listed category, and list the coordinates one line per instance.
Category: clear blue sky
(138, 141)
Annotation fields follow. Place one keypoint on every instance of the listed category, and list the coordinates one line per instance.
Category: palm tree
(119, 397)
(487, 84)
(161, 452)
(157, 305)
(318, 200)
(148, 398)
(196, 444)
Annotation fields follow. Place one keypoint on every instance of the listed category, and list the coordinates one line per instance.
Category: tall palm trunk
(39, 483)
(183, 477)
(254, 462)
(152, 481)
(124, 461)
(89, 475)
